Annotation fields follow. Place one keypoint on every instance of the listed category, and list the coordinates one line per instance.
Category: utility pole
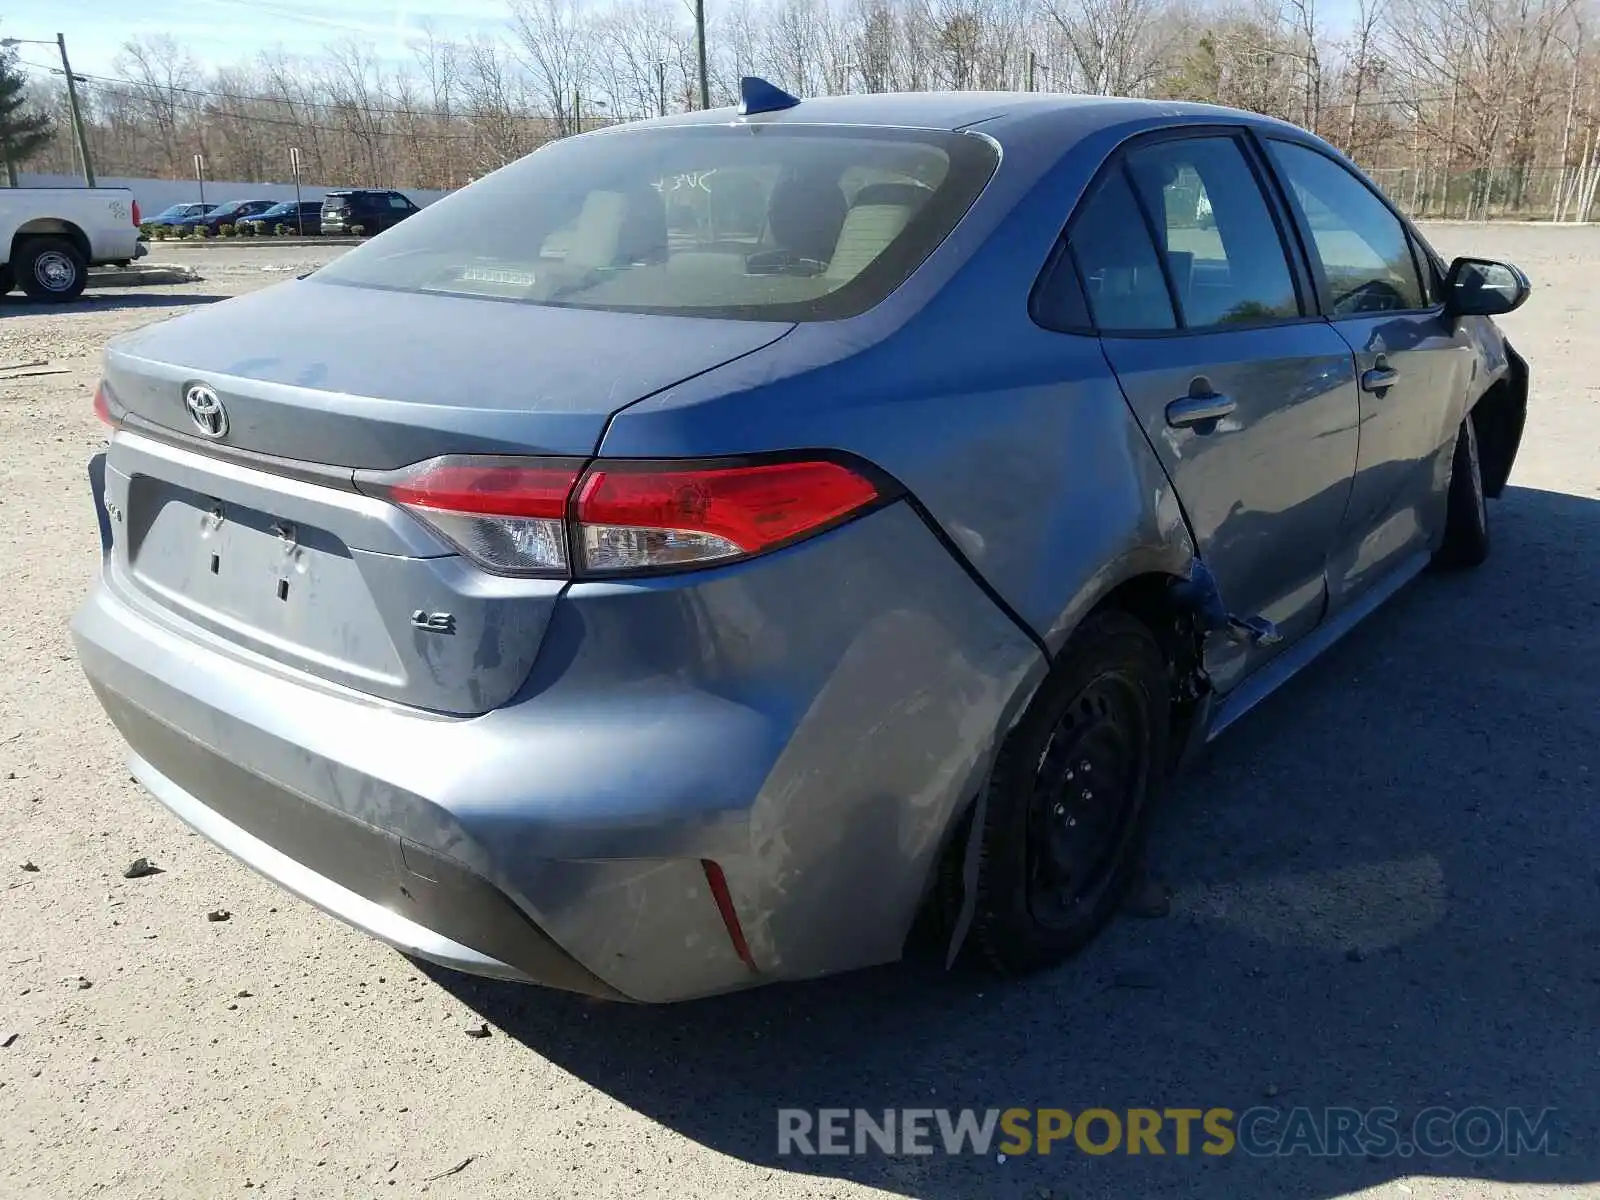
(72, 97)
(700, 49)
(1032, 60)
(200, 175)
(661, 87)
(77, 113)
(577, 109)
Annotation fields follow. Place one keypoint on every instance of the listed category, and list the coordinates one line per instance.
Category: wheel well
(1154, 600)
(50, 227)
(1499, 416)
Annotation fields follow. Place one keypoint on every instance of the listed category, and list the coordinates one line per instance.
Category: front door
(1248, 399)
(1412, 361)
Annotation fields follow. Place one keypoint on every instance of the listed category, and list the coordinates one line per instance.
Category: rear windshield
(759, 222)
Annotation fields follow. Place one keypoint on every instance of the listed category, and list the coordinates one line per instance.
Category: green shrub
(249, 229)
(225, 230)
(358, 231)
(285, 230)
(158, 233)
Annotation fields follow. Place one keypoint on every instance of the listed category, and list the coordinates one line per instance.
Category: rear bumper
(811, 721)
(417, 902)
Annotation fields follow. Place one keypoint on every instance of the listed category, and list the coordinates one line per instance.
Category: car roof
(1054, 116)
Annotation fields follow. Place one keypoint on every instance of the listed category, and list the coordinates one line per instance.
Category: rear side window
(1118, 262)
(1217, 234)
(1362, 247)
(788, 223)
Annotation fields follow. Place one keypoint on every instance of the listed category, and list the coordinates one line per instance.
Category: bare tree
(438, 63)
(1362, 67)
(1303, 18)
(156, 70)
(496, 105)
(556, 46)
(1116, 44)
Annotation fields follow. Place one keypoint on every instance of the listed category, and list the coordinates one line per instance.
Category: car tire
(1466, 526)
(51, 269)
(7, 281)
(1099, 722)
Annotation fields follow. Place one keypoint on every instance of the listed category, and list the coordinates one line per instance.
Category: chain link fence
(1490, 193)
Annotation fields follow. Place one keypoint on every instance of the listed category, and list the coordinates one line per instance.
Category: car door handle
(1198, 410)
(1379, 379)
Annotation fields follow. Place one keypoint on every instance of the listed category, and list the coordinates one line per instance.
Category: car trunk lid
(364, 378)
(259, 537)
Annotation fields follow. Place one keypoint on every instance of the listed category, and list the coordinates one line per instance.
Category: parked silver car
(676, 560)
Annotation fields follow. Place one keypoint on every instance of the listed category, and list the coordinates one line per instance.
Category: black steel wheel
(1069, 799)
(1466, 527)
(1085, 797)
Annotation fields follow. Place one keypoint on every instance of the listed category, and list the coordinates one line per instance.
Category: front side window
(1120, 270)
(1432, 272)
(1217, 234)
(756, 222)
(1362, 247)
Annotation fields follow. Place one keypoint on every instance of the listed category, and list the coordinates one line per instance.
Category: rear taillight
(551, 517)
(632, 518)
(102, 406)
(507, 513)
(136, 221)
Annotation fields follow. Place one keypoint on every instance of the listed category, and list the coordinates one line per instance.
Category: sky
(219, 32)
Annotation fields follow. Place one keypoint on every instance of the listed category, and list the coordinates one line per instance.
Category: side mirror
(1482, 287)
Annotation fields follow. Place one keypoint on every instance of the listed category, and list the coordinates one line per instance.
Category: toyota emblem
(205, 410)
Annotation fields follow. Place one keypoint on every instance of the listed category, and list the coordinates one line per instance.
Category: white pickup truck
(50, 237)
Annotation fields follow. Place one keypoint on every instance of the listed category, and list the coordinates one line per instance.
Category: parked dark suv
(373, 211)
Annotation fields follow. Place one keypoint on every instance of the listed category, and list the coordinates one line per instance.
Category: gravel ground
(1384, 887)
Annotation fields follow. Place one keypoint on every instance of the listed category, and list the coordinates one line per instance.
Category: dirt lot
(1385, 893)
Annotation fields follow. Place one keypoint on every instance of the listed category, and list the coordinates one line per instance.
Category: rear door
(1248, 398)
(1413, 362)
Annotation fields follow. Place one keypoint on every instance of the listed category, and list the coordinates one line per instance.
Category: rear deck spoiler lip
(322, 474)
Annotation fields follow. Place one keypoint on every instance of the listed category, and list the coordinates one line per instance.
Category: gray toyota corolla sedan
(684, 556)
